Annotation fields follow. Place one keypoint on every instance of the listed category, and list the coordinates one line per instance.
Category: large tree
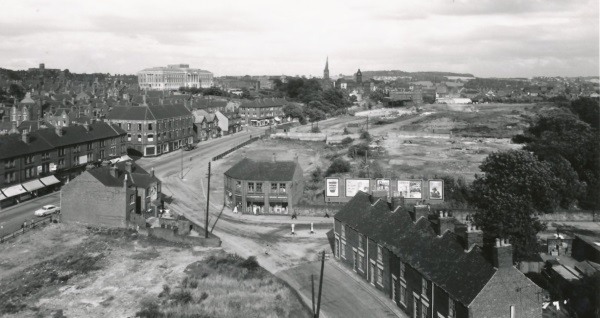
(516, 188)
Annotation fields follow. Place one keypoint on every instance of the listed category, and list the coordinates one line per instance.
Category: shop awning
(49, 180)
(277, 118)
(2, 196)
(13, 191)
(33, 185)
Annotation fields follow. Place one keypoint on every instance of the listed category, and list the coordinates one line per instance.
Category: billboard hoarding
(332, 187)
(355, 185)
(415, 188)
(436, 190)
(382, 184)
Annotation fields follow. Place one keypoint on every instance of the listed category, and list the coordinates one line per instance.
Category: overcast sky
(488, 38)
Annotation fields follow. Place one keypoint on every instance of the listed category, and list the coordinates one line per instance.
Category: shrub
(250, 263)
(359, 150)
(165, 292)
(347, 141)
(149, 309)
(315, 129)
(346, 132)
(339, 165)
(181, 296)
(365, 135)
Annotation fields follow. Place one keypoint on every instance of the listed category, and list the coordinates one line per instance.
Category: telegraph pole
(207, 203)
(181, 163)
(320, 284)
(312, 284)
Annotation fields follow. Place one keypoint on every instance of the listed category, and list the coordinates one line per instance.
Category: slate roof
(148, 112)
(46, 139)
(267, 102)
(137, 177)
(248, 169)
(441, 259)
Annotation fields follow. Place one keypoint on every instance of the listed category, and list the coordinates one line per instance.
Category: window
(424, 287)
(402, 270)
(128, 126)
(379, 254)
(90, 146)
(343, 231)
(102, 143)
(250, 186)
(114, 141)
(150, 126)
(238, 184)
(360, 241)
(273, 187)
(132, 199)
(75, 160)
(90, 157)
(113, 150)
(61, 151)
(101, 154)
(380, 276)
(139, 127)
(28, 159)
(343, 250)
(76, 148)
(10, 163)
(424, 309)
(45, 156)
(361, 260)
(282, 187)
(139, 138)
(10, 177)
(451, 308)
(403, 293)
(128, 137)
(259, 187)
(150, 137)
(61, 163)
(30, 172)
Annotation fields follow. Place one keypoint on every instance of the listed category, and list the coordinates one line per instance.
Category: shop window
(259, 187)
(250, 186)
(282, 187)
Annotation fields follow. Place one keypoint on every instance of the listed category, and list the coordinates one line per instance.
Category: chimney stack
(472, 235)
(419, 211)
(128, 166)
(58, 130)
(113, 171)
(446, 222)
(25, 136)
(502, 254)
(397, 201)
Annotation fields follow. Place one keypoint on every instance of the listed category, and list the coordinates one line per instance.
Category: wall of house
(508, 287)
(85, 200)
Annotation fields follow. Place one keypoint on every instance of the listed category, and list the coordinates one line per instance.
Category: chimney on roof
(502, 254)
(396, 201)
(420, 210)
(58, 130)
(471, 236)
(128, 166)
(152, 172)
(445, 222)
(113, 171)
(25, 136)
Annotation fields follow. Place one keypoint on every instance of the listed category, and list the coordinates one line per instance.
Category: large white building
(173, 77)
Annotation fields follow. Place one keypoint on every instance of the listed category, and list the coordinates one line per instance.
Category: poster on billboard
(382, 184)
(436, 190)
(355, 185)
(415, 189)
(403, 188)
(332, 187)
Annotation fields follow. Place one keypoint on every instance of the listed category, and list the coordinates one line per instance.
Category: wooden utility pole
(182, 163)
(320, 284)
(207, 203)
(312, 283)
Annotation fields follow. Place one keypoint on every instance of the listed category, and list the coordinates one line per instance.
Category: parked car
(189, 147)
(47, 210)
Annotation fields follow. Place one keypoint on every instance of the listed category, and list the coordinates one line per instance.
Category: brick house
(206, 125)
(154, 130)
(431, 268)
(121, 196)
(262, 112)
(264, 187)
(62, 152)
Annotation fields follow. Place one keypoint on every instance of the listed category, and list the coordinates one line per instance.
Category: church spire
(326, 71)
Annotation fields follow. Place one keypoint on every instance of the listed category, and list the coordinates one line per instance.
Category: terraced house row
(31, 161)
(430, 265)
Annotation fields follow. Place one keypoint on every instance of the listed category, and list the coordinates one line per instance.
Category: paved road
(11, 218)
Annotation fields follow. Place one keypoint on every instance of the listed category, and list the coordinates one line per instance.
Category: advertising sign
(436, 189)
(82, 159)
(332, 187)
(403, 188)
(52, 167)
(382, 184)
(415, 189)
(355, 185)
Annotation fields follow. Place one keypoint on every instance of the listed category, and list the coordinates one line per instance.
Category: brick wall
(85, 200)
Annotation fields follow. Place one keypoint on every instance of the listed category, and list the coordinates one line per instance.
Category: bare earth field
(87, 274)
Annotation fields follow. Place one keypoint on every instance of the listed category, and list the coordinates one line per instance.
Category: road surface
(12, 218)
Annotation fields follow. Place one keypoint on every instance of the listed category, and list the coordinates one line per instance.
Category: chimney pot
(502, 254)
(128, 166)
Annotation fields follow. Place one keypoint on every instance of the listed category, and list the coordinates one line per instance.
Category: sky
(487, 38)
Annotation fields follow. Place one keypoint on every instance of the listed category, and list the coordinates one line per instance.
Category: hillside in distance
(415, 76)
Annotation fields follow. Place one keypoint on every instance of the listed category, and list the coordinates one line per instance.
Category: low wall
(317, 210)
(417, 134)
(301, 136)
(171, 236)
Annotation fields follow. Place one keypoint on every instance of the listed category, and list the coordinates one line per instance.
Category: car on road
(189, 147)
(47, 210)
